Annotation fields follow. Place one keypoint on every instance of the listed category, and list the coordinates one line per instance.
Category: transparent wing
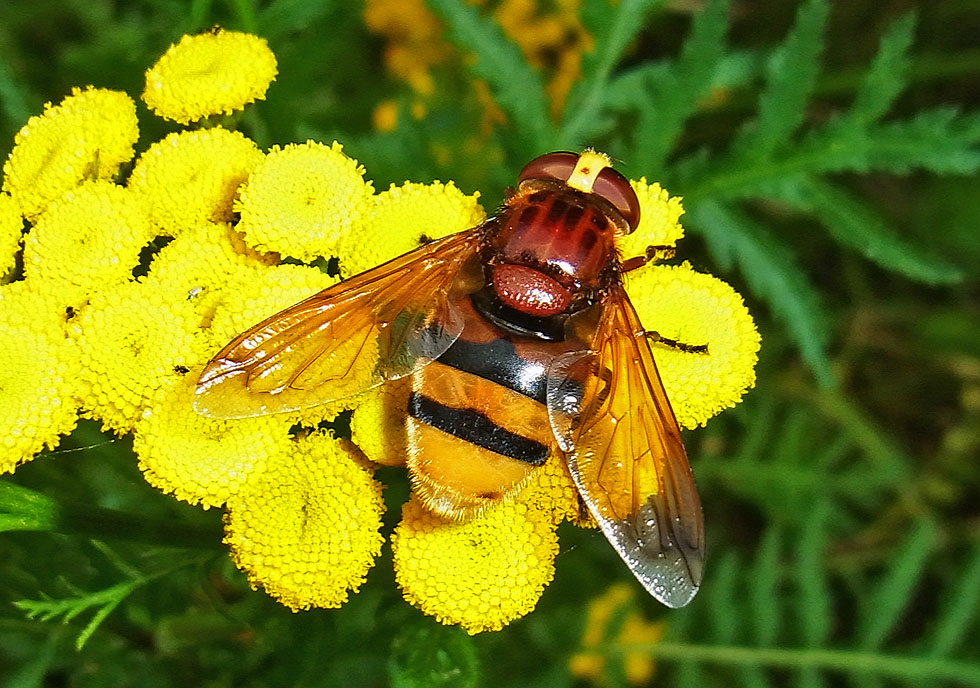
(376, 326)
(611, 416)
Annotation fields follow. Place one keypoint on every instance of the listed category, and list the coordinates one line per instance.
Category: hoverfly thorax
(553, 248)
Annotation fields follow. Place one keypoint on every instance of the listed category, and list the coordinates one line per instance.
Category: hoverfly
(522, 347)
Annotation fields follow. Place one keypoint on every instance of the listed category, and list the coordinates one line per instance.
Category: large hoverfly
(522, 347)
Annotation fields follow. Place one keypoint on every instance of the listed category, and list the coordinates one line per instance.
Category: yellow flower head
(86, 136)
(38, 367)
(204, 267)
(480, 574)
(203, 460)
(134, 343)
(697, 309)
(11, 228)
(306, 527)
(192, 177)
(405, 217)
(254, 297)
(378, 423)
(208, 74)
(87, 240)
(659, 219)
(302, 198)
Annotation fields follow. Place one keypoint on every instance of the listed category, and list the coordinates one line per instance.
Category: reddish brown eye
(549, 166)
(616, 189)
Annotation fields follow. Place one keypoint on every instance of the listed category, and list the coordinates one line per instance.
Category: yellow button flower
(88, 135)
(306, 527)
(480, 574)
(202, 460)
(86, 241)
(659, 219)
(405, 217)
(302, 199)
(378, 425)
(192, 177)
(134, 343)
(697, 309)
(204, 267)
(38, 367)
(208, 74)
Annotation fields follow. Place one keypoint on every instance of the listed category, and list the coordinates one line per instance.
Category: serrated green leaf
(104, 600)
(892, 595)
(620, 25)
(941, 140)
(676, 94)
(771, 274)
(855, 225)
(517, 87)
(886, 77)
(791, 75)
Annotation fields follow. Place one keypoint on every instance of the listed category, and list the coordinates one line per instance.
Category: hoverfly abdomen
(478, 421)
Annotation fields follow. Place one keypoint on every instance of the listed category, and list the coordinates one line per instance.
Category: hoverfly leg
(674, 344)
(652, 254)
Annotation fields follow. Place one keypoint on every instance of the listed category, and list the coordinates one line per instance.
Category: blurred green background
(828, 157)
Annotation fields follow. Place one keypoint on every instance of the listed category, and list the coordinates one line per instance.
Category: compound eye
(550, 166)
(616, 189)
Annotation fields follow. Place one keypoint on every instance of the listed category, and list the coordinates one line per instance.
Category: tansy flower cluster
(130, 283)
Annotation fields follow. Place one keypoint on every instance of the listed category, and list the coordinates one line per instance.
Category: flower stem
(880, 664)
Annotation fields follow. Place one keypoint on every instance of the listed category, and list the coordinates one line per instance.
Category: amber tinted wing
(373, 327)
(612, 417)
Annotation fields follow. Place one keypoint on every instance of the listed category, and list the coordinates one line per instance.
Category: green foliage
(829, 175)
(432, 656)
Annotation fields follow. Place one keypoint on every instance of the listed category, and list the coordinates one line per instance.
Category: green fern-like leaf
(517, 86)
(668, 97)
(855, 225)
(887, 75)
(791, 76)
(615, 27)
(103, 601)
(793, 455)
